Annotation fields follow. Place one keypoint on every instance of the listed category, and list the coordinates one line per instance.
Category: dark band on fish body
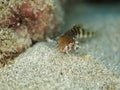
(68, 41)
(75, 29)
(78, 31)
(88, 33)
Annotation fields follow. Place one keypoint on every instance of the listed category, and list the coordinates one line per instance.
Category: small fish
(69, 40)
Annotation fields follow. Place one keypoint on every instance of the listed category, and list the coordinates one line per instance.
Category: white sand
(43, 67)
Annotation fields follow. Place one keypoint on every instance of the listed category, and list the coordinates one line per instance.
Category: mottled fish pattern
(69, 40)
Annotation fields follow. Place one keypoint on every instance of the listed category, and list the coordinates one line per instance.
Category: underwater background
(95, 65)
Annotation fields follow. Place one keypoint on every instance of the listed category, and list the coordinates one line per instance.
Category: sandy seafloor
(94, 66)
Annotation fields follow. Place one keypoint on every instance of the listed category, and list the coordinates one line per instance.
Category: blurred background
(102, 16)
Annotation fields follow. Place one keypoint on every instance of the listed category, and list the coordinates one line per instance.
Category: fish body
(80, 33)
(69, 40)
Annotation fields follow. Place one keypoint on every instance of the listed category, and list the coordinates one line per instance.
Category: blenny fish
(69, 40)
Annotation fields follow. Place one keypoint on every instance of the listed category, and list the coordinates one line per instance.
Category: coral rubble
(12, 44)
(31, 20)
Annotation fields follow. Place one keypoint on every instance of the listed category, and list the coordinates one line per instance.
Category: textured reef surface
(25, 22)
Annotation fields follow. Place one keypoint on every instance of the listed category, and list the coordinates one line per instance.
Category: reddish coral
(27, 12)
(41, 23)
(30, 20)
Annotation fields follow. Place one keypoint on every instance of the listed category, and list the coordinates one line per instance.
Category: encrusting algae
(11, 45)
(27, 21)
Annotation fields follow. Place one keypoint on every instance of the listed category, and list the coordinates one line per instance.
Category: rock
(31, 20)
